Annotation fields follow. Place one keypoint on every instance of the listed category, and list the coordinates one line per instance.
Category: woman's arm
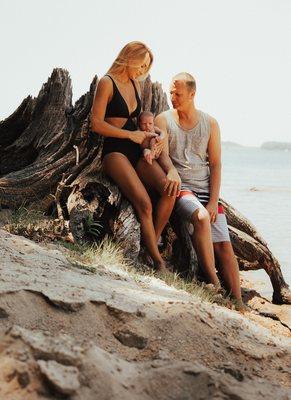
(98, 124)
(214, 156)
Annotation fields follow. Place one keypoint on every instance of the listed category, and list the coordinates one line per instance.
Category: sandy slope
(68, 332)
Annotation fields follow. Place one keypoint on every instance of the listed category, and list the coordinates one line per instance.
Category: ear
(192, 94)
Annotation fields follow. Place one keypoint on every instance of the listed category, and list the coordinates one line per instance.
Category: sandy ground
(69, 333)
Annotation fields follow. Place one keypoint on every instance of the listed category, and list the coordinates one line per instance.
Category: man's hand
(173, 183)
(140, 136)
(158, 147)
(212, 208)
(160, 142)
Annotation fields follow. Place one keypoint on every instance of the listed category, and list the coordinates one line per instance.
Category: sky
(238, 51)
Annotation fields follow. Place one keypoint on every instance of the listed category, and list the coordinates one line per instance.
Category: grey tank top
(188, 152)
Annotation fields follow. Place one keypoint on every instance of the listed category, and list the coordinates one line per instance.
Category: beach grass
(93, 256)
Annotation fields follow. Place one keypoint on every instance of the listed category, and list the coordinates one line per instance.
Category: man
(193, 143)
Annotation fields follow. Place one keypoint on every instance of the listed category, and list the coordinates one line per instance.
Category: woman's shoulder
(105, 84)
(106, 80)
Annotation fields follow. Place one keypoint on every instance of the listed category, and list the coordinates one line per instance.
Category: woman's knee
(143, 207)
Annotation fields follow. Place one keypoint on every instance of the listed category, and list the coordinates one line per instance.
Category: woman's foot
(160, 266)
(216, 288)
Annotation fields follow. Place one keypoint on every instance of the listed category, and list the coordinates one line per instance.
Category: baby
(146, 123)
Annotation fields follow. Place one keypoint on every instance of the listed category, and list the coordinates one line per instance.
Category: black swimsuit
(117, 107)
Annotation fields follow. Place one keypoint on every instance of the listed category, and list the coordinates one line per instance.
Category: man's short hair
(187, 78)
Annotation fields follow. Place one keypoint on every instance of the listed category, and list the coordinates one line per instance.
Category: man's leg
(202, 242)
(228, 268)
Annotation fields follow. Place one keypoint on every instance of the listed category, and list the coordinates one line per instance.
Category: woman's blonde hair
(130, 52)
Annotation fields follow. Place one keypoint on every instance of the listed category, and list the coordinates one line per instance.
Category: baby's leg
(147, 153)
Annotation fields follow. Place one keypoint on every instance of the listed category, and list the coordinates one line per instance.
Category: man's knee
(223, 249)
(200, 218)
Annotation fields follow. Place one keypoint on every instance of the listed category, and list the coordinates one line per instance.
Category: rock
(62, 348)
(130, 339)
(68, 305)
(163, 355)
(141, 315)
(3, 313)
(23, 379)
(236, 373)
(64, 379)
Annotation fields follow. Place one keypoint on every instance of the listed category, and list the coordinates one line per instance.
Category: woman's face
(137, 68)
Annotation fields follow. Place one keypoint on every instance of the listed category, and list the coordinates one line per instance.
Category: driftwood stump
(48, 158)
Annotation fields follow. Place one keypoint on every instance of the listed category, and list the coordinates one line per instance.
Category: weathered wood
(46, 142)
(34, 163)
(153, 97)
(184, 257)
(97, 200)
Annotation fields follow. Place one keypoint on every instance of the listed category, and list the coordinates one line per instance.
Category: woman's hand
(173, 183)
(140, 136)
(212, 208)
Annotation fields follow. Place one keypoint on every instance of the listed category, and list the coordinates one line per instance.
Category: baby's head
(146, 121)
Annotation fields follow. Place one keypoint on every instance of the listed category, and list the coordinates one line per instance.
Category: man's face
(180, 94)
(146, 123)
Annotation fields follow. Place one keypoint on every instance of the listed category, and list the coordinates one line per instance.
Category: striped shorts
(188, 202)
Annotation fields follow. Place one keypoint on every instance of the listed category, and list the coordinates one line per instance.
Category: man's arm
(173, 183)
(214, 155)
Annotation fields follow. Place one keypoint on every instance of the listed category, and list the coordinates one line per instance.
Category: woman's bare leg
(153, 176)
(118, 167)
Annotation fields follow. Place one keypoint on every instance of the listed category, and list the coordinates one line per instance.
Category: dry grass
(89, 256)
(110, 253)
(32, 223)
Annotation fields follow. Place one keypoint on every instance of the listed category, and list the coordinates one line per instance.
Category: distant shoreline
(282, 146)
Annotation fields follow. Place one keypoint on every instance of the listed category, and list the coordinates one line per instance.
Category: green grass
(24, 216)
(27, 222)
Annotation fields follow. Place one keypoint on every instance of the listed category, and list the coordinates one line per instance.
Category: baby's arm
(160, 133)
(148, 152)
(148, 145)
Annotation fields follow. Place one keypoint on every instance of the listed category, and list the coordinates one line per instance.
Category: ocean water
(257, 182)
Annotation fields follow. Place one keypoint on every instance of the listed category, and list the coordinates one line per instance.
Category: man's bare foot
(241, 307)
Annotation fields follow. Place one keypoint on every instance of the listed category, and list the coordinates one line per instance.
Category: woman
(116, 104)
